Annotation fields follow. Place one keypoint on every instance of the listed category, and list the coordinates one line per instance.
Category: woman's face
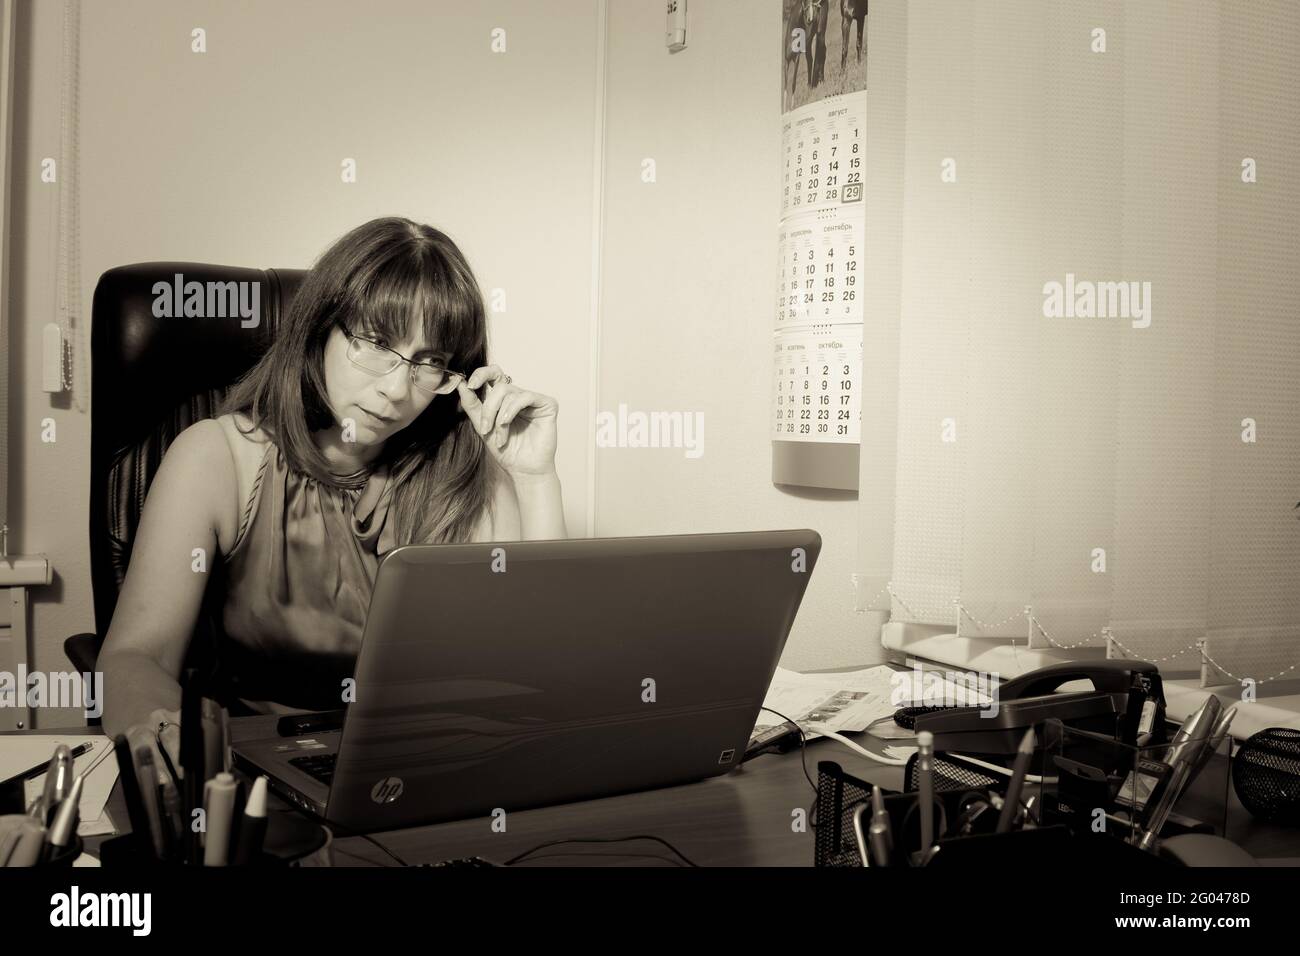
(380, 405)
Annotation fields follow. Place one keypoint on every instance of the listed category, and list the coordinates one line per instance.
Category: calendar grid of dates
(822, 150)
(818, 371)
(821, 266)
(818, 327)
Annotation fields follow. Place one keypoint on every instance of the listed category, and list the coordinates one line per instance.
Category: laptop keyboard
(320, 766)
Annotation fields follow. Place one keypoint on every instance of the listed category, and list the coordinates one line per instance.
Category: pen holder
(956, 799)
(291, 840)
(1095, 784)
(64, 856)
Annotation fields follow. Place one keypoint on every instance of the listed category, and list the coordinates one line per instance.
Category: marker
(252, 826)
(1011, 802)
(925, 768)
(218, 805)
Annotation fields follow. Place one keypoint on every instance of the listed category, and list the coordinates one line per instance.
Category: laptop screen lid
(508, 675)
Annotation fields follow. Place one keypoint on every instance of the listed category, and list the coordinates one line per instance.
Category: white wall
(233, 156)
(687, 303)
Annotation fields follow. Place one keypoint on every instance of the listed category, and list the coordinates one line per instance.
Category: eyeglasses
(369, 355)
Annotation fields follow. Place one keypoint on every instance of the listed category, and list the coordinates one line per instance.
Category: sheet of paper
(827, 699)
(851, 701)
(20, 751)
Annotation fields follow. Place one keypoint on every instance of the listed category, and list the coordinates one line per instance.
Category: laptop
(512, 675)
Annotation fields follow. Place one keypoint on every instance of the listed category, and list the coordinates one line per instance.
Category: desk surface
(741, 819)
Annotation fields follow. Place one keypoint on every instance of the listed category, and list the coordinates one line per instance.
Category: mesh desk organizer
(1063, 805)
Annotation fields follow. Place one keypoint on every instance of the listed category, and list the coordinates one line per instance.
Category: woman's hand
(164, 727)
(518, 426)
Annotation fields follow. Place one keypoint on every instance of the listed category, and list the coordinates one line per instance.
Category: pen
(142, 744)
(64, 827)
(1011, 806)
(191, 758)
(1160, 813)
(57, 781)
(1196, 729)
(213, 746)
(218, 806)
(1192, 747)
(173, 818)
(925, 768)
(131, 793)
(1185, 772)
(1216, 738)
(882, 840)
(252, 827)
(1185, 752)
(44, 765)
(227, 760)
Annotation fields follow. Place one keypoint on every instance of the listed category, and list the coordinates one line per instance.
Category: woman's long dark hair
(383, 275)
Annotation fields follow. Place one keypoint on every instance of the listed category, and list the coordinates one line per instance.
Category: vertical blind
(1135, 468)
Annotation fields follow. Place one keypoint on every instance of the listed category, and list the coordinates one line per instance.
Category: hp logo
(386, 790)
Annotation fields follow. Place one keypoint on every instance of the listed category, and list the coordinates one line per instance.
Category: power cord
(543, 846)
(348, 832)
(803, 760)
(803, 745)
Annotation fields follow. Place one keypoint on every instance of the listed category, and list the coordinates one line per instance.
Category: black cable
(803, 759)
(543, 846)
(331, 826)
(803, 746)
(369, 839)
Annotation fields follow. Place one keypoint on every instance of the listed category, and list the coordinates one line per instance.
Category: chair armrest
(83, 651)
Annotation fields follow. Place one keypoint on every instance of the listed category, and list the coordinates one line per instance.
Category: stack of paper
(18, 752)
(851, 701)
(846, 703)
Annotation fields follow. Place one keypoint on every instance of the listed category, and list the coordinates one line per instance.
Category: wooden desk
(744, 818)
(741, 819)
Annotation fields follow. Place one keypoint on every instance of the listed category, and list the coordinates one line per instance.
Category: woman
(361, 429)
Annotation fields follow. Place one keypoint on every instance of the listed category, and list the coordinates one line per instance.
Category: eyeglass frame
(350, 335)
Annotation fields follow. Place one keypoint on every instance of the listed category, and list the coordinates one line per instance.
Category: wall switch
(676, 25)
(52, 358)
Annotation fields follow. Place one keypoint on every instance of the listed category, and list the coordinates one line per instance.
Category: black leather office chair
(151, 379)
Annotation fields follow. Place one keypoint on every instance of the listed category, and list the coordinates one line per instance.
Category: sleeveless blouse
(298, 584)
